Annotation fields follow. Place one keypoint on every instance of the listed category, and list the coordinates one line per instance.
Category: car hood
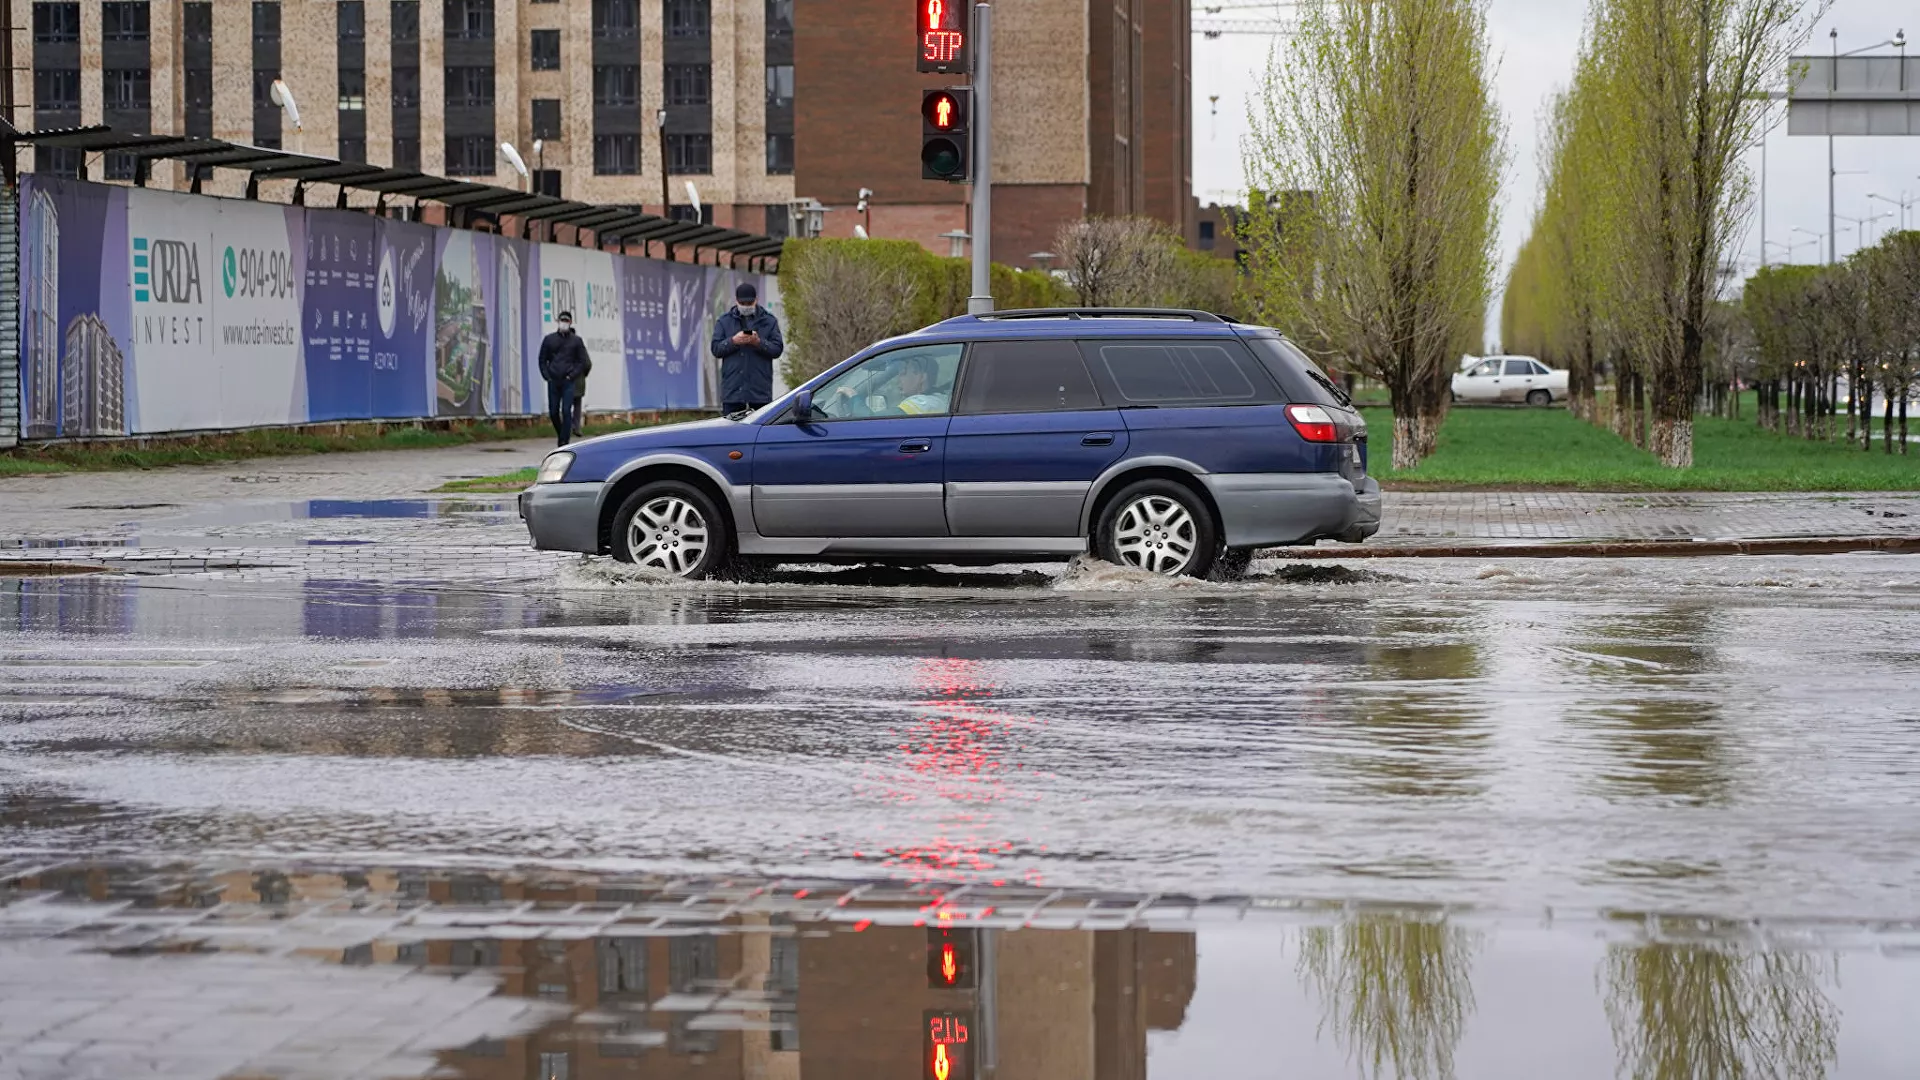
(689, 433)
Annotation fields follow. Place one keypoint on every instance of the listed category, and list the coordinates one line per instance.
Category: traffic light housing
(952, 958)
(946, 143)
(941, 38)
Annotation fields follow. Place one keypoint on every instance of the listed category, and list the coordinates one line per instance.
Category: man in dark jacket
(747, 341)
(564, 364)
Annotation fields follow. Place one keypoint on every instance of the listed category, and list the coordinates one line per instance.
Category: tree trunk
(1903, 421)
(1639, 410)
(1622, 403)
(1886, 425)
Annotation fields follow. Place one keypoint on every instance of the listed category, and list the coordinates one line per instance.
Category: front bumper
(563, 517)
(1277, 509)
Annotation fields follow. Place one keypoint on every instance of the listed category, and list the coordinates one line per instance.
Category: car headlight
(554, 469)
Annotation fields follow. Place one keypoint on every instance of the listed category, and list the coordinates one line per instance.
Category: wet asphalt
(1493, 817)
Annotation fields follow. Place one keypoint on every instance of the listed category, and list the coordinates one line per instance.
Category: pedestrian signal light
(940, 36)
(944, 141)
(948, 1046)
(950, 958)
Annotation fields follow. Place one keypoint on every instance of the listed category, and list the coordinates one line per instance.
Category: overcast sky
(1534, 45)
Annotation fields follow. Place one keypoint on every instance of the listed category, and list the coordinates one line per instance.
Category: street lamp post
(1860, 227)
(1905, 204)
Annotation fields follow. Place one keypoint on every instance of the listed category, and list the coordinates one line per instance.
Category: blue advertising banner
(338, 314)
(403, 312)
(76, 318)
(150, 311)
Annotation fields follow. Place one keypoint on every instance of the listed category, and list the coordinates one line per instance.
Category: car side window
(915, 381)
(1491, 367)
(1519, 367)
(1541, 369)
(1181, 373)
(1027, 376)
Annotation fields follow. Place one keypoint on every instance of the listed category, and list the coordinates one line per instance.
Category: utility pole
(1833, 237)
(981, 302)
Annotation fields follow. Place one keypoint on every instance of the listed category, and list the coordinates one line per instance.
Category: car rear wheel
(1158, 526)
(1233, 564)
(671, 527)
(1539, 399)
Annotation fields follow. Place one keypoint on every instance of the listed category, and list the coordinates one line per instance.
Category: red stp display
(941, 34)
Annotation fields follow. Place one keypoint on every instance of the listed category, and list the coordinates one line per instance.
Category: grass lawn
(1548, 448)
(242, 445)
(517, 480)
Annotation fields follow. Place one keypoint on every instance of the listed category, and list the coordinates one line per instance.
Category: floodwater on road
(1501, 818)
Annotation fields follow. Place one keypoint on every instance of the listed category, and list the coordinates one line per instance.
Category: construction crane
(1209, 23)
(1213, 29)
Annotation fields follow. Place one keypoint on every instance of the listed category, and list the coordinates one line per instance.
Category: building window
(199, 89)
(352, 20)
(780, 86)
(689, 84)
(59, 161)
(623, 966)
(353, 148)
(692, 962)
(616, 84)
(689, 18)
(786, 1033)
(555, 1066)
(779, 220)
(353, 91)
(546, 50)
(469, 86)
(406, 20)
(122, 165)
(56, 89)
(126, 89)
(546, 118)
(263, 80)
(124, 21)
(470, 20)
(406, 88)
(690, 154)
(469, 155)
(1206, 236)
(406, 152)
(266, 22)
(616, 20)
(56, 24)
(616, 155)
(702, 216)
(779, 155)
(197, 23)
(779, 19)
(547, 182)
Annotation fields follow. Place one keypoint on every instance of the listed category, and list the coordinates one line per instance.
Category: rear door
(1028, 438)
(1519, 381)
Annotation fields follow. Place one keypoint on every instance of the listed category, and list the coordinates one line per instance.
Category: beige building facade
(611, 91)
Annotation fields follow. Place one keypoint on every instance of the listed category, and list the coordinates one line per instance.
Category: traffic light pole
(981, 302)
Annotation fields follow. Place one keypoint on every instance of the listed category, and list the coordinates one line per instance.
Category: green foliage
(1551, 448)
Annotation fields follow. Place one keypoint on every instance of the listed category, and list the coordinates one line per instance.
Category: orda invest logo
(165, 271)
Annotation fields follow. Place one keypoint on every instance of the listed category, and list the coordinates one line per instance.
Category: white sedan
(1510, 378)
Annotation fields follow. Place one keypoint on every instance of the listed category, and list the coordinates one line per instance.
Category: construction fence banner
(148, 312)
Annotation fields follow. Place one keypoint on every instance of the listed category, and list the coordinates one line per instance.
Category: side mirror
(803, 406)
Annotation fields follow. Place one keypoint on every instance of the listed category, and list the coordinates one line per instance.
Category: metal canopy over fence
(1854, 95)
(607, 224)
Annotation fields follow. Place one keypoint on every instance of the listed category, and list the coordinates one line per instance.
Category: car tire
(1158, 526)
(1539, 399)
(672, 527)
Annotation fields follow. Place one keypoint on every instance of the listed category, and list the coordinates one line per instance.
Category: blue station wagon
(1174, 442)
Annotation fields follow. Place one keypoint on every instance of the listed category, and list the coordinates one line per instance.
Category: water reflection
(1395, 990)
(1712, 1009)
(1418, 728)
(1660, 724)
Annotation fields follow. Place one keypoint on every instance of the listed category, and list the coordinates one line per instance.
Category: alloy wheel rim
(1156, 534)
(668, 533)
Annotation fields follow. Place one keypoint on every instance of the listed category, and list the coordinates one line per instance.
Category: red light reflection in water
(957, 756)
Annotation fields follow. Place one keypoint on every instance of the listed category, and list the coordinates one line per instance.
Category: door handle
(916, 446)
(1098, 438)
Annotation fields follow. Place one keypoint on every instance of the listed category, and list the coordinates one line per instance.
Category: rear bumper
(1275, 509)
(563, 517)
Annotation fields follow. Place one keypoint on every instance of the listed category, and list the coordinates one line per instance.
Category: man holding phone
(746, 339)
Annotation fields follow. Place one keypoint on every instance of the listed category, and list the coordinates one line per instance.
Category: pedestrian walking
(564, 363)
(746, 339)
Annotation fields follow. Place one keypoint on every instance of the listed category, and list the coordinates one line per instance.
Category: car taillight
(1314, 423)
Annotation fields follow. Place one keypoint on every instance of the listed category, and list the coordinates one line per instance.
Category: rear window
(1301, 378)
(1182, 373)
(1026, 376)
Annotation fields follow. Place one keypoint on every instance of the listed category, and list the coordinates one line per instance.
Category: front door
(1028, 439)
(870, 461)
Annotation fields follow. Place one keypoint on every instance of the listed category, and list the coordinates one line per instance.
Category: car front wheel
(1160, 527)
(673, 528)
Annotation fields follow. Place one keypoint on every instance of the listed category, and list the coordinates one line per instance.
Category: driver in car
(914, 385)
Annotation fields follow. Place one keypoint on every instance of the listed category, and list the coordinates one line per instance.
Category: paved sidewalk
(374, 517)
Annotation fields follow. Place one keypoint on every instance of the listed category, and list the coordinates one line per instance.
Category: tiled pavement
(372, 517)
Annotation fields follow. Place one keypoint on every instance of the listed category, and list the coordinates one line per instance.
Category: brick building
(1092, 115)
(763, 101)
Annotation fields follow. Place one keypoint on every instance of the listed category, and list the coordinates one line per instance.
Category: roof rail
(1102, 313)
